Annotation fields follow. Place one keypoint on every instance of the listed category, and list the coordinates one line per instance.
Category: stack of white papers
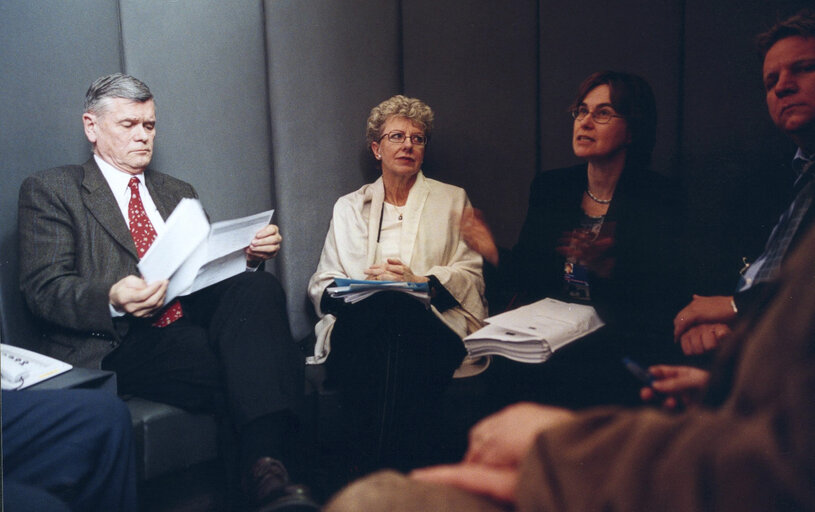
(532, 333)
(355, 290)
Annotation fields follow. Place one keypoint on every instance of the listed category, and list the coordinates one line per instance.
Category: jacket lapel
(155, 185)
(102, 205)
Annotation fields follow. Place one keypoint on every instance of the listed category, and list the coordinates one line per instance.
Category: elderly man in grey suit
(226, 348)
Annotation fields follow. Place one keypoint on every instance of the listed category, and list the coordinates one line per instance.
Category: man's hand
(393, 270)
(134, 296)
(497, 483)
(702, 338)
(477, 235)
(677, 385)
(704, 310)
(498, 443)
(264, 246)
(502, 440)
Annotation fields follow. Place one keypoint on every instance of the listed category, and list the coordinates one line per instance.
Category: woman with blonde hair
(390, 354)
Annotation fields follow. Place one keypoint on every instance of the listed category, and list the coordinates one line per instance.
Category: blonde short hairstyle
(400, 106)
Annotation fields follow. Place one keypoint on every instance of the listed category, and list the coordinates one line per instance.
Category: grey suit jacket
(74, 245)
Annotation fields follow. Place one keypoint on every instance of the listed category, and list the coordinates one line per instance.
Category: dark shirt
(766, 267)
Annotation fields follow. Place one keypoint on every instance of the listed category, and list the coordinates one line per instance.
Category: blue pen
(638, 371)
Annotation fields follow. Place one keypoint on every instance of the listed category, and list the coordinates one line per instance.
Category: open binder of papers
(193, 254)
(21, 368)
(355, 290)
(532, 333)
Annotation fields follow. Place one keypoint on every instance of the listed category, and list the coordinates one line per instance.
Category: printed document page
(225, 255)
(193, 255)
(186, 228)
(21, 368)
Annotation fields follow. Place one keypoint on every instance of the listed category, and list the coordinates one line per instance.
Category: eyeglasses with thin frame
(603, 115)
(417, 139)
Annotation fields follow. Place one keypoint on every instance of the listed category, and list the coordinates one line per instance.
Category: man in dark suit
(226, 348)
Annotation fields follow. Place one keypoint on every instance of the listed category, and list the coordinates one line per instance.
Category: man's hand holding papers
(193, 255)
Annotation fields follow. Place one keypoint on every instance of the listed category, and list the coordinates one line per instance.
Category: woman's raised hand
(477, 235)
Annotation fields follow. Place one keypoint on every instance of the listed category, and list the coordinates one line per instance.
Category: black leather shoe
(265, 481)
(267, 489)
(293, 498)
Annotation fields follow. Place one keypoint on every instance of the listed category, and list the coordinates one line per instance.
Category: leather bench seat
(168, 438)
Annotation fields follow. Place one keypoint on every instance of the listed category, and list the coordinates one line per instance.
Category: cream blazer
(431, 243)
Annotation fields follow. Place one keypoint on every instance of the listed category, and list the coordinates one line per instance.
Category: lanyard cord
(381, 215)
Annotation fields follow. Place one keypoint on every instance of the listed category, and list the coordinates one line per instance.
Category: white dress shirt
(119, 183)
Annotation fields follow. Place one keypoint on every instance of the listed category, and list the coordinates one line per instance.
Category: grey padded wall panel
(205, 63)
(475, 64)
(329, 63)
(49, 53)
(50, 50)
(628, 35)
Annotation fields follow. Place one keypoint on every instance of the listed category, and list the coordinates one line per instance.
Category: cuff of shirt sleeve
(114, 313)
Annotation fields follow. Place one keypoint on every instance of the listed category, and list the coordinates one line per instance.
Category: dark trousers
(232, 353)
(392, 359)
(588, 372)
(67, 449)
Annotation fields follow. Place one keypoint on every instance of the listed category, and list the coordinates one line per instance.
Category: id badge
(576, 279)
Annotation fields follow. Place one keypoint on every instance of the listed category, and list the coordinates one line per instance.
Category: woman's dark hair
(632, 98)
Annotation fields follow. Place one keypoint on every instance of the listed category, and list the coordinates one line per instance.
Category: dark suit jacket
(74, 245)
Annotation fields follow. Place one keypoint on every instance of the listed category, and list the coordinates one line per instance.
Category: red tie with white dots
(143, 233)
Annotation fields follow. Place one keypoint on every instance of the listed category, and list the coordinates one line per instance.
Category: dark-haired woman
(601, 233)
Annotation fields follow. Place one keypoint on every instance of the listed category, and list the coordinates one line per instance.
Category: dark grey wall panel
(578, 38)
(329, 63)
(50, 51)
(475, 64)
(205, 62)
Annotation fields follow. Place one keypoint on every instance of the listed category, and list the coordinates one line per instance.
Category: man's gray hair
(117, 85)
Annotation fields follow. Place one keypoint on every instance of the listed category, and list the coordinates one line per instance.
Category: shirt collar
(117, 180)
(800, 162)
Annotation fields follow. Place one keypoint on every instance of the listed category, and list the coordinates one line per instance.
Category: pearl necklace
(597, 199)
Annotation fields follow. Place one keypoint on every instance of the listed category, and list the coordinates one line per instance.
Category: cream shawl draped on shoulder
(431, 244)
